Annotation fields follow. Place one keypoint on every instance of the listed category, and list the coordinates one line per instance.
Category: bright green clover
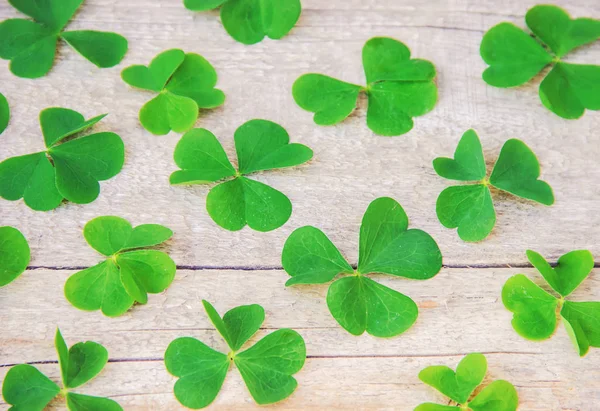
(470, 208)
(267, 367)
(459, 386)
(358, 303)
(398, 88)
(4, 113)
(249, 21)
(14, 254)
(185, 83)
(535, 310)
(515, 57)
(128, 274)
(70, 168)
(31, 45)
(260, 145)
(27, 389)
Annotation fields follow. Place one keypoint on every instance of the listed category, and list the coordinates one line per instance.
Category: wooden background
(460, 309)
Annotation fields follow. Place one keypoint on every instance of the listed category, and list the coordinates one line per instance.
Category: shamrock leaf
(398, 88)
(260, 145)
(14, 254)
(81, 362)
(26, 388)
(69, 169)
(470, 208)
(185, 83)
(535, 310)
(249, 21)
(358, 303)
(266, 367)
(31, 45)
(128, 274)
(4, 113)
(514, 57)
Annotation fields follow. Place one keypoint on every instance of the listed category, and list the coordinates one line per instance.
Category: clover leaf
(387, 246)
(249, 21)
(26, 388)
(267, 367)
(514, 57)
(128, 274)
(459, 386)
(535, 310)
(470, 208)
(14, 254)
(260, 145)
(398, 88)
(31, 45)
(4, 113)
(184, 83)
(71, 167)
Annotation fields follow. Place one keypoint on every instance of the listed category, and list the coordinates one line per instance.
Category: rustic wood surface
(460, 309)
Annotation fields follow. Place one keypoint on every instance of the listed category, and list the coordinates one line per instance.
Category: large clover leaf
(14, 254)
(515, 58)
(260, 145)
(398, 87)
(4, 113)
(387, 246)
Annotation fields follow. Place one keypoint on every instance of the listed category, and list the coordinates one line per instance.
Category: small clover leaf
(267, 367)
(4, 113)
(31, 45)
(185, 83)
(535, 310)
(387, 246)
(250, 21)
(470, 208)
(260, 145)
(69, 169)
(130, 272)
(398, 88)
(514, 57)
(14, 254)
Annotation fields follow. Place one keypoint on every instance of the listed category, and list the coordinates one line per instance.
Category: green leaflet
(69, 169)
(398, 88)
(185, 83)
(26, 388)
(358, 303)
(31, 45)
(470, 208)
(260, 145)
(514, 57)
(535, 311)
(250, 21)
(128, 274)
(14, 254)
(267, 367)
(4, 113)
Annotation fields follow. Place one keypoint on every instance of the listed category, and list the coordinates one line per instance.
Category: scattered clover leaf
(459, 386)
(358, 303)
(249, 21)
(4, 113)
(14, 254)
(398, 88)
(267, 367)
(470, 208)
(184, 83)
(70, 168)
(31, 45)
(128, 274)
(27, 389)
(260, 145)
(535, 310)
(515, 57)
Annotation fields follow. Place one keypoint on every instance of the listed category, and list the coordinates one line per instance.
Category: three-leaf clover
(398, 88)
(14, 254)
(4, 113)
(267, 367)
(184, 83)
(358, 303)
(470, 207)
(27, 389)
(459, 386)
(515, 57)
(535, 310)
(260, 145)
(249, 21)
(70, 168)
(128, 274)
(31, 45)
